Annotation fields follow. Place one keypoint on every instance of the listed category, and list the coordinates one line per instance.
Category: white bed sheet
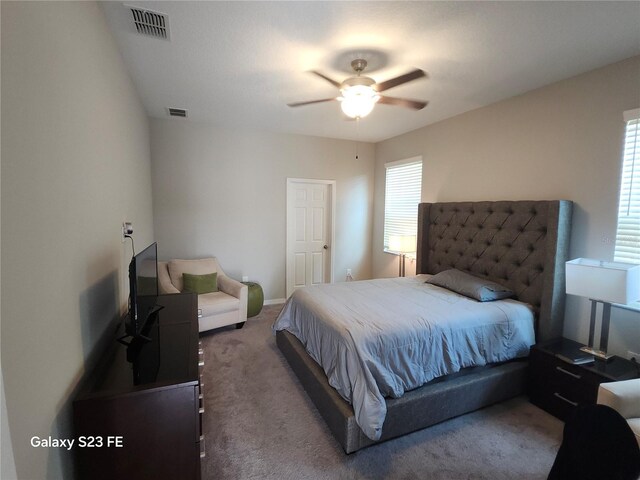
(381, 338)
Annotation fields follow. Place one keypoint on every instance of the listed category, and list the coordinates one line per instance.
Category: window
(628, 231)
(403, 185)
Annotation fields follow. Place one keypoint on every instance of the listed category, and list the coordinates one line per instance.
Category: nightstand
(558, 386)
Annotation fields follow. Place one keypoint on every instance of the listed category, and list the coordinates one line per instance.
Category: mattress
(381, 338)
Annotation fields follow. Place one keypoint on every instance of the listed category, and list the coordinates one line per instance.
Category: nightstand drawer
(556, 403)
(583, 390)
(569, 380)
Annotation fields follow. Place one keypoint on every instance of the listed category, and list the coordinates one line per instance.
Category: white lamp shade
(402, 243)
(612, 282)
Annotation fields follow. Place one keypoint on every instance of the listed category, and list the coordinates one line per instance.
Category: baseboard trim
(275, 301)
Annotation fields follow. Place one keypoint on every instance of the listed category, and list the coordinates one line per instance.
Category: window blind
(628, 231)
(403, 186)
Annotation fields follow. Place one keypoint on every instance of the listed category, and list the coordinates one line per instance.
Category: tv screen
(143, 287)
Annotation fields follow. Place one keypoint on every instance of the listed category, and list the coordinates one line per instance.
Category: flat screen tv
(143, 289)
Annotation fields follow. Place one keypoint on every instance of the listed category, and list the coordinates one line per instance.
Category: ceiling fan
(359, 94)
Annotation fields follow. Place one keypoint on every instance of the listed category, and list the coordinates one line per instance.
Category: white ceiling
(237, 64)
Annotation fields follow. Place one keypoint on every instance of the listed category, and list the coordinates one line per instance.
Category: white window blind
(628, 231)
(403, 185)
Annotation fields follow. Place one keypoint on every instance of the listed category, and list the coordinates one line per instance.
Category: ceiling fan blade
(299, 104)
(403, 102)
(394, 82)
(330, 80)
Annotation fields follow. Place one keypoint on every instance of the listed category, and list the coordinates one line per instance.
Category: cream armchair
(624, 397)
(227, 306)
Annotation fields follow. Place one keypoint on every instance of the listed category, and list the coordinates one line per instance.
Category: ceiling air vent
(150, 23)
(177, 112)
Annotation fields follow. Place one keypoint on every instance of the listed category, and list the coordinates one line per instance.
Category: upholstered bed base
(425, 406)
(521, 244)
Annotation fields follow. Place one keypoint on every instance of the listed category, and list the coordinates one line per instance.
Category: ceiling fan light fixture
(357, 101)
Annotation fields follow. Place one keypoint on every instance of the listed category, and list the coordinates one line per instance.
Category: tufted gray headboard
(520, 244)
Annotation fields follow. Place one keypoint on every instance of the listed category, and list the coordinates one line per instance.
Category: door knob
(326, 247)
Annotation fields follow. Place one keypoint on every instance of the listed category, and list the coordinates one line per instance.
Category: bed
(522, 245)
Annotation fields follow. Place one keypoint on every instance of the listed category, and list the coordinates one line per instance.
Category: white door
(310, 212)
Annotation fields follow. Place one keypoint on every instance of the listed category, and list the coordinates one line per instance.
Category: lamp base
(599, 354)
(401, 267)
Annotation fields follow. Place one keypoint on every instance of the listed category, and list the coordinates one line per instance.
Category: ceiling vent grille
(177, 112)
(150, 23)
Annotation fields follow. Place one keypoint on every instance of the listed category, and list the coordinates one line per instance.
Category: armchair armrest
(624, 397)
(235, 289)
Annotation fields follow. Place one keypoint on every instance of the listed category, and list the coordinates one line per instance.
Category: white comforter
(380, 338)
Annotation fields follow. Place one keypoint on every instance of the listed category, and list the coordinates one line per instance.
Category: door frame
(332, 225)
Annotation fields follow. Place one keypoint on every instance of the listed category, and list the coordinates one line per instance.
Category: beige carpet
(260, 424)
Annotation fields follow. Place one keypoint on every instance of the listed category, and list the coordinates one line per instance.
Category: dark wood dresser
(140, 416)
(558, 385)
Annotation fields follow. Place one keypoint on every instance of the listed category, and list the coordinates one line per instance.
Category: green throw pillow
(200, 283)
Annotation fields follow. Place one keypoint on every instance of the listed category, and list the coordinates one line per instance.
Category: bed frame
(520, 244)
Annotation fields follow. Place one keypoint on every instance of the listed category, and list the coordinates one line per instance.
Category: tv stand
(146, 397)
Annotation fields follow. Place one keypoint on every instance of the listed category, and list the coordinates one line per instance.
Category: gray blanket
(381, 338)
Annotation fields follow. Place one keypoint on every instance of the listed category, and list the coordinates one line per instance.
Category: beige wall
(222, 192)
(75, 164)
(560, 141)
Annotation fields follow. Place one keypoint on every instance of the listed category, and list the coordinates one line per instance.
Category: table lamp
(606, 283)
(402, 244)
